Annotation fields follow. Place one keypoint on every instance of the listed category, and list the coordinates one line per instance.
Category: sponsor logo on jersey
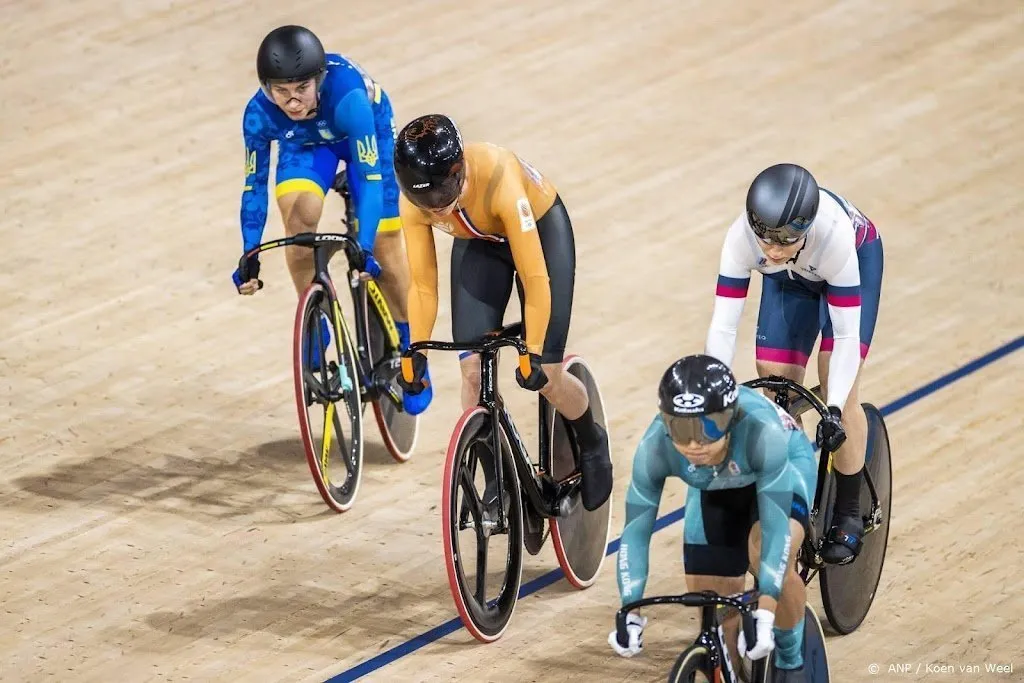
(366, 150)
(289, 134)
(734, 468)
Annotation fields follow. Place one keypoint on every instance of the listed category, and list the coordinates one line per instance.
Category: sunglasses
(784, 235)
(704, 429)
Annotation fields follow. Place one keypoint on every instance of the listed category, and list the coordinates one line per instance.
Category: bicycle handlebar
(310, 240)
(776, 383)
(488, 343)
(745, 603)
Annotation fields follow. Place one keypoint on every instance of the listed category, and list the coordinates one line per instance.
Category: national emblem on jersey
(526, 222)
(533, 173)
(325, 132)
(366, 150)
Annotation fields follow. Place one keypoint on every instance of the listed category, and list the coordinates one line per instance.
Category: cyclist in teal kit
(750, 472)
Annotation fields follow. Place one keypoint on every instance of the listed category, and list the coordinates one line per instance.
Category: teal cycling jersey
(766, 448)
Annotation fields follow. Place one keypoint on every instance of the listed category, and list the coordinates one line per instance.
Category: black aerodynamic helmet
(430, 162)
(289, 54)
(782, 203)
(697, 397)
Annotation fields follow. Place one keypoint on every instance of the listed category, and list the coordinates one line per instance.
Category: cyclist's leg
(788, 322)
(849, 460)
(302, 182)
(789, 615)
(566, 393)
(715, 529)
(481, 274)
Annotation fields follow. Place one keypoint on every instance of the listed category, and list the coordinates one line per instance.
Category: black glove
(831, 434)
(537, 379)
(419, 371)
(252, 267)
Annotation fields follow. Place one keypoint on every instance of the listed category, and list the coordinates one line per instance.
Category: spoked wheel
(328, 401)
(398, 428)
(816, 668)
(847, 591)
(484, 562)
(693, 666)
(581, 537)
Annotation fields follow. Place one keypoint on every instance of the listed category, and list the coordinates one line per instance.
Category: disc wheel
(847, 591)
(581, 537)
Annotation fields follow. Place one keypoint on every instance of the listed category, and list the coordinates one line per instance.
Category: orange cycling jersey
(502, 200)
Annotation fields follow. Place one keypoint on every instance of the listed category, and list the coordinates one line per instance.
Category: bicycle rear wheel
(847, 591)
(398, 428)
(328, 400)
(469, 512)
(580, 538)
(693, 666)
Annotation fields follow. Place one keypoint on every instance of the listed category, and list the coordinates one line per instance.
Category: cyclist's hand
(632, 641)
(253, 284)
(537, 378)
(368, 266)
(831, 434)
(419, 371)
(764, 623)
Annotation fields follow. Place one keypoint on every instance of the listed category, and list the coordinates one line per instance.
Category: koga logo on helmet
(731, 397)
(688, 403)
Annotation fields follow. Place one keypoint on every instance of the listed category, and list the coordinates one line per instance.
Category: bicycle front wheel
(328, 399)
(693, 666)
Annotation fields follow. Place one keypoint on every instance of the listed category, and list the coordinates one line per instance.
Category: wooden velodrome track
(159, 522)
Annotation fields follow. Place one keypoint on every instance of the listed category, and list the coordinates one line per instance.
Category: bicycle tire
(580, 539)
(848, 591)
(694, 660)
(486, 620)
(320, 453)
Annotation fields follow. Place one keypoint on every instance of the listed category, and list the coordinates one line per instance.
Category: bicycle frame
(547, 496)
(808, 399)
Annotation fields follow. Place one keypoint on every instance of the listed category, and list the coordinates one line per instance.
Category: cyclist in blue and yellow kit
(750, 471)
(322, 109)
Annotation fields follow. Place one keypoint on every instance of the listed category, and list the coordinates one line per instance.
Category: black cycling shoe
(596, 468)
(843, 541)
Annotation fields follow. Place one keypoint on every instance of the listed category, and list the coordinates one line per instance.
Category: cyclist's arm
(419, 244)
(354, 115)
(730, 294)
(514, 210)
(253, 214)
(642, 498)
(844, 309)
(775, 482)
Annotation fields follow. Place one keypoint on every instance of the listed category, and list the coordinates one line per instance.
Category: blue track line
(541, 582)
